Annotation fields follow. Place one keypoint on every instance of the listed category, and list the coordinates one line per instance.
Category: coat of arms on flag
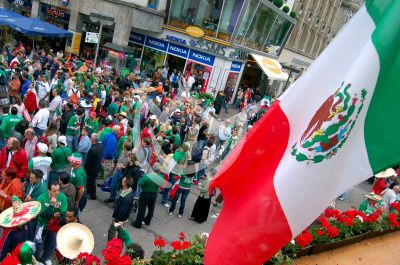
(330, 126)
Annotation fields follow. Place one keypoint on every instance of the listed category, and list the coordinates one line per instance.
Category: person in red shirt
(12, 155)
(381, 180)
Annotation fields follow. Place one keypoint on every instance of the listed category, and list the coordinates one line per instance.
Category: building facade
(213, 40)
(210, 39)
(318, 23)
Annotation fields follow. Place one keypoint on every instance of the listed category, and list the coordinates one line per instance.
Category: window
(152, 4)
(207, 14)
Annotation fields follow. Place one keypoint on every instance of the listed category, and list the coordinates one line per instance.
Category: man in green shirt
(114, 107)
(74, 129)
(90, 123)
(88, 84)
(78, 179)
(106, 129)
(9, 122)
(59, 158)
(149, 184)
(54, 205)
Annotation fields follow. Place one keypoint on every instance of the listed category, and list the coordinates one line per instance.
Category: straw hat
(19, 213)
(386, 173)
(373, 196)
(123, 113)
(74, 238)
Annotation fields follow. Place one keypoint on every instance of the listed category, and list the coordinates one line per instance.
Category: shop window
(152, 60)
(152, 4)
(277, 35)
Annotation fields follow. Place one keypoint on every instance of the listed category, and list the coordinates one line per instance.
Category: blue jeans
(54, 175)
(72, 143)
(47, 244)
(172, 181)
(116, 179)
(38, 132)
(201, 172)
(184, 196)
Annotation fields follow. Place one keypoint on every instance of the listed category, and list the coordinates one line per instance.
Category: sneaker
(180, 216)
(166, 205)
(143, 223)
(169, 213)
(341, 198)
(47, 262)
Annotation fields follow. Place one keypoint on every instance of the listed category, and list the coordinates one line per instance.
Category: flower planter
(371, 234)
(303, 252)
(337, 244)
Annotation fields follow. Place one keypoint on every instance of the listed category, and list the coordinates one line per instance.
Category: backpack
(197, 154)
(74, 97)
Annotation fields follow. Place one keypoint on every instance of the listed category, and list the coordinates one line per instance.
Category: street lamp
(104, 21)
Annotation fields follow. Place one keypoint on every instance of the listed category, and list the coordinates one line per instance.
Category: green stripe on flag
(382, 124)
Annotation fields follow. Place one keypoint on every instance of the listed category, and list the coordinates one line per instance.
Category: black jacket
(134, 172)
(93, 160)
(64, 120)
(123, 207)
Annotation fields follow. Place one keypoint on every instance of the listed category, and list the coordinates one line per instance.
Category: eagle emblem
(330, 126)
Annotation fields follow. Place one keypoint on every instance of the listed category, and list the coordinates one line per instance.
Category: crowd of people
(71, 126)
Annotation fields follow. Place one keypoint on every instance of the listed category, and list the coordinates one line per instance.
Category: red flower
(125, 260)
(348, 221)
(115, 243)
(185, 244)
(182, 236)
(304, 239)
(176, 245)
(110, 254)
(396, 206)
(325, 223)
(160, 242)
(332, 232)
(373, 217)
(393, 220)
(10, 260)
(92, 259)
(320, 232)
(332, 213)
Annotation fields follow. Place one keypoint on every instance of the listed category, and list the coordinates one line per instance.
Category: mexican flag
(336, 126)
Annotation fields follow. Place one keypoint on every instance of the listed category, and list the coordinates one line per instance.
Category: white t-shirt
(41, 118)
(74, 90)
(42, 163)
(43, 89)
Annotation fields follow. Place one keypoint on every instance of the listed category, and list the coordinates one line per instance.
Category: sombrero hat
(85, 103)
(373, 196)
(73, 239)
(19, 213)
(386, 173)
(75, 158)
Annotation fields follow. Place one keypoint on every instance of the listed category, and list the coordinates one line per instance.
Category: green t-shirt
(73, 126)
(78, 178)
(120, 144)
(177, 141)
(59, 158)
(113, 109)
(92, 126)
(186, 182)
(8, 123)
(47, 211)
(179, 157)
(104, 132)
(148, 184)
(88, 86)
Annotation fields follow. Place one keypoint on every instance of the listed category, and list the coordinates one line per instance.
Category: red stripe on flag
(252, 226)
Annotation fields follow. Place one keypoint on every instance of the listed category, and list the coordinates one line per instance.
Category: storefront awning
(272, 68)
(30, 26)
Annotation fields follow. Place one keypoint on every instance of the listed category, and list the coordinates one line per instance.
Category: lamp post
(104, 21)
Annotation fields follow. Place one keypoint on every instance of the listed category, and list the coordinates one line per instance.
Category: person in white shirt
(103, 95)
(389, 196)
(74, 90)
(41, 118)
(43, 88)
(55, 106)
(224, 132)
(190, 82)
(41, 162)
(209, 110)
(68, 82)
